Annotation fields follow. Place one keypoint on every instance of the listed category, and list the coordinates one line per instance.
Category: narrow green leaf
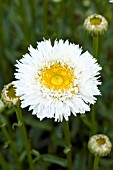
(16, 124)
(54, 159)
(35, 123)
(22, 156)
(86, 121)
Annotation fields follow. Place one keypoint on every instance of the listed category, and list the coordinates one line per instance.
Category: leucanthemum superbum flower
(57, 80)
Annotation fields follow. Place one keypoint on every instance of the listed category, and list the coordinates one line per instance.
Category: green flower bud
(2, 106)
(95, 25)
(99, 145)
(8, 96)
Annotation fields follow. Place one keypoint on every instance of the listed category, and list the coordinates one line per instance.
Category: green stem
(93, 121)
(63, 8)
(24, 133)
(95, 53)
(56, 19)
(12, 145)
(3, 162)
(68, 144)
(72, 21)
(89, 165)
(95, 46)
(24, 16)
(96, 162)
(9, 126)
(45, 17)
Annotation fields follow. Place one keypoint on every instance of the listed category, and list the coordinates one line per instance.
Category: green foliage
(24, 22)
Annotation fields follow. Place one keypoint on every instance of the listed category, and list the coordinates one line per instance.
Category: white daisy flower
(57, 80)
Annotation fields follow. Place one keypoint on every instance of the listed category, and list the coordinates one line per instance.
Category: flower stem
(68, 144)
(95, 46)
(45, 18)
(95, 53)
(24, 133)
(93, 121)
(12, 145)
(3, 163)
(96, 162)
(89, 165)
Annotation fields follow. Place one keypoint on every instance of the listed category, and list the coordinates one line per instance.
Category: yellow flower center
(95, 21)
(101, 141)
(57, 80)
(57, 77)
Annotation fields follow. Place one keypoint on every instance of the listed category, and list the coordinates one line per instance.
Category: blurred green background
(24, 22)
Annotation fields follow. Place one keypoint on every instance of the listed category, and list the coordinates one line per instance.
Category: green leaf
(86, 121)
(37, 154)
(22, 156)
(16, 124)
(67, 150)
(54, 159)
(29, 120)
(6, 144)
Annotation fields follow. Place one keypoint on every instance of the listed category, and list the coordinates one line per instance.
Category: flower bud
(95, 25)
(8, 95)
(99, 145)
